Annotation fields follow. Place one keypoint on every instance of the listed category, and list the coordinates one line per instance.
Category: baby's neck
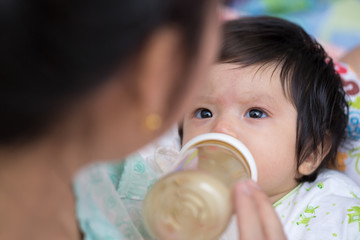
(279, 195)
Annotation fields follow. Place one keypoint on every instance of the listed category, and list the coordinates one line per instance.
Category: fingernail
(243, 188)
(254, 184)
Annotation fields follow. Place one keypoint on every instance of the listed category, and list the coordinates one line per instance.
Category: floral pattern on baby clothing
(327, 208)
(109, 199)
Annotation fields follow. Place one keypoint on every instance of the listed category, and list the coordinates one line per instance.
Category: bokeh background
(334, 23)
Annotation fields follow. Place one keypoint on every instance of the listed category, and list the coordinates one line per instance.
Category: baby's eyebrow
(262, 97)
(206, 98)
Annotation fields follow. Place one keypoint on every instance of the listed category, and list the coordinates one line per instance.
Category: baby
(275, 89)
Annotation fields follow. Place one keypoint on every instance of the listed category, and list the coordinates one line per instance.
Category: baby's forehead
(257, 68)
(221, 72)
(254, 78)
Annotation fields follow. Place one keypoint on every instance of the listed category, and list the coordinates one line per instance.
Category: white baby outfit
(328, 208)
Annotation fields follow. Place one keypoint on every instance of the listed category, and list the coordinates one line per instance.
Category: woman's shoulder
(108, 198)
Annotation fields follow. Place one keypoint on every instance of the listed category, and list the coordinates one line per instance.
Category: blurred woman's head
(62, 58)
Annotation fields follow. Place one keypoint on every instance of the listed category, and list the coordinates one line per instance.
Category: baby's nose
(225, 127)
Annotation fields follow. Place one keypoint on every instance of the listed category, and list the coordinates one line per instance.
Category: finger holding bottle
(256, 216)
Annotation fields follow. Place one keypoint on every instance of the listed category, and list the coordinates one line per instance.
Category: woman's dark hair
(307, 76)
(53, 52)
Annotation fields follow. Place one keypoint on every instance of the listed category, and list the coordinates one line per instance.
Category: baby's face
(250, 105)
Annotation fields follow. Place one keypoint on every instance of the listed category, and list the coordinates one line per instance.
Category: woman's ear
(158, 68)
(313, 161)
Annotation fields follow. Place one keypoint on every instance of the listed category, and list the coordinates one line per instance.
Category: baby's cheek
(265, 176)
(275, 169)
(189, 134)
(187, 131)
(264, 167)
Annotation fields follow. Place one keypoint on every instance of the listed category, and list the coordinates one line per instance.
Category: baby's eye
(255, 113)
(203, 113)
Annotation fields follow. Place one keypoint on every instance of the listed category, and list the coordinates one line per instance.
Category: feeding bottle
(194, 200)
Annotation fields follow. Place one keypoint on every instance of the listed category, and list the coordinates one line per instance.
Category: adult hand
(256, 217)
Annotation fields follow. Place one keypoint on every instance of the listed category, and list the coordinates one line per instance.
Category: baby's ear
(313, 161)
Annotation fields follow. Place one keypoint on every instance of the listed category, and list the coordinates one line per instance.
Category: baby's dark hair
(307, 76)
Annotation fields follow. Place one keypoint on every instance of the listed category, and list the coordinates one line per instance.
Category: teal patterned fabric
(109, 198)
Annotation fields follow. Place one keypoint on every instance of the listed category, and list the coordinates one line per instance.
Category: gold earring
(153, 122)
